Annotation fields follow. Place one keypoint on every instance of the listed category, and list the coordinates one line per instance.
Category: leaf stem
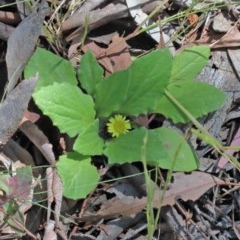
(151, 221)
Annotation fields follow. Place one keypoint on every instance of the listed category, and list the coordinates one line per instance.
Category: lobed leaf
(178, 154)
(149, 75)
(67, 106)
(197, 97)
(130, 142)
(51, 68)
(188, 64)
(79, 176)
(90, 73)
(111, 93)
(164, 148)
(89, 142)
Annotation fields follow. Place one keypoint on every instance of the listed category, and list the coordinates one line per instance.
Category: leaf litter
(120, 200)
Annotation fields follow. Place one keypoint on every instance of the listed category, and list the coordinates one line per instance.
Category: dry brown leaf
(103, 39)
(118, 54)
(96, 50)
(116, 207)
(117, 57)
(187, 186)
(219, 40)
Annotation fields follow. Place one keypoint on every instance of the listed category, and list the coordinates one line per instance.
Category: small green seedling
(100, 112)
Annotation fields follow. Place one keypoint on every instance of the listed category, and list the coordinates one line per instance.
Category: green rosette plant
(99, 111)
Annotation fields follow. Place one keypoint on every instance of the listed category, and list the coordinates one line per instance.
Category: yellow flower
(118, 125)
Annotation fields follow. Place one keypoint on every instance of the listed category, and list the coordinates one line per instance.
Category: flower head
(118, 125)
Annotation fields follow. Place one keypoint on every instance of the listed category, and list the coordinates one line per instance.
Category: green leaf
(51, 68)
(79, 176)
(149, 75)
(89, 142)
(188, 63)
(178, 155)
(197, 97)
(111, 92)
(90, 73)
(164, 148)
(128, 147)
(67, 106)
(125, 148)
(135, 90)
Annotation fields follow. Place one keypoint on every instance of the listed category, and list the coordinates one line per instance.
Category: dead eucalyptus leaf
(22, 42)
(13, 108)
(187, 186)
(96, 50)
(118, 54)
